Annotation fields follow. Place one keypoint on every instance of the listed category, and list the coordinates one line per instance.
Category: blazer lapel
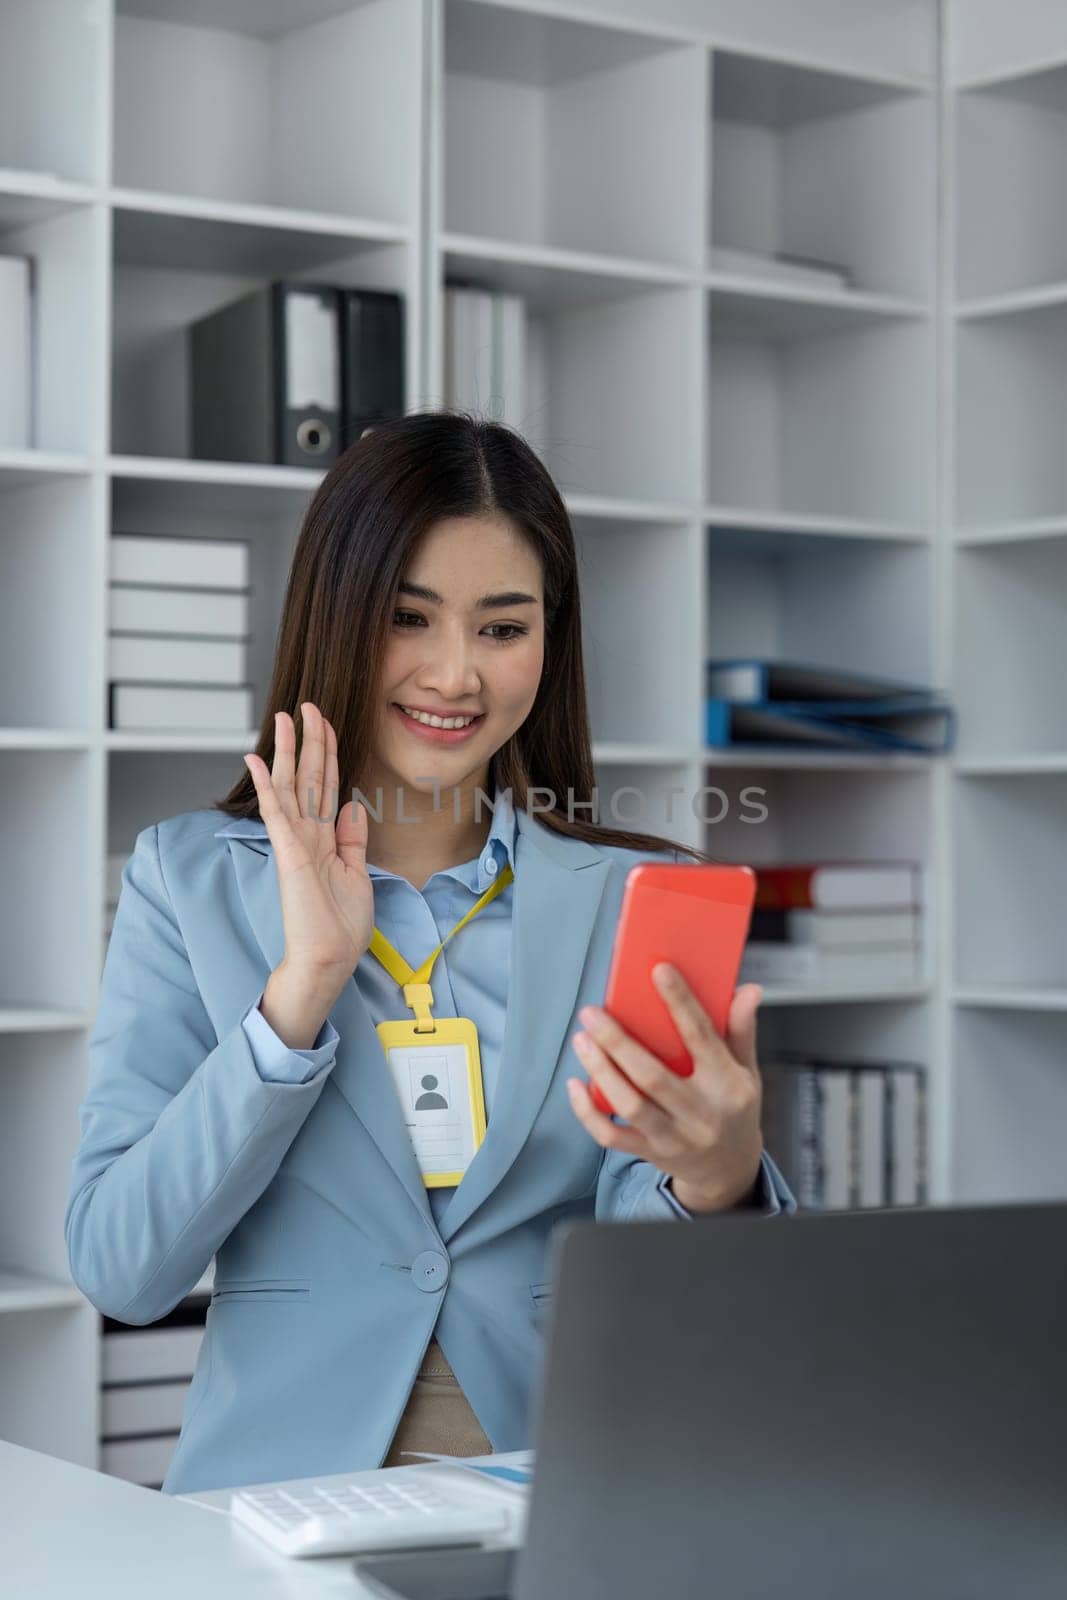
(558, 887)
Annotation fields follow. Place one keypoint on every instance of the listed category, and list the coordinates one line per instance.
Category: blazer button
(429, 1271)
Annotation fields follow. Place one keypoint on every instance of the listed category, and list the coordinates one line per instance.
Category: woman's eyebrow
(486, 602)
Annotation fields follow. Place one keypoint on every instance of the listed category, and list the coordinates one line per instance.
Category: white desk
(67, 1533)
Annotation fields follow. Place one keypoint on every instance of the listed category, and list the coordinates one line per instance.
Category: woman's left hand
(705, 1129)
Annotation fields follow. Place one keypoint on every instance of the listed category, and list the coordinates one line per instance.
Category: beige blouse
(437, 1416)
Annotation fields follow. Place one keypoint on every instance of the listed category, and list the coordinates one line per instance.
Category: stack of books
(16, 353)
(836, 925)
(485, 353)
(178, 634)
(847, 1134)
(759, 702)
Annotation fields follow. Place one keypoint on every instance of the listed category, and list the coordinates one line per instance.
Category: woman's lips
(438, 735)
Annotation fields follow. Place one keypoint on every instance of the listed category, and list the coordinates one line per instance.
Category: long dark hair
(378, 499)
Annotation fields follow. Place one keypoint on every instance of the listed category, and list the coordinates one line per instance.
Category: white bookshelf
(865, 471)
(156, 160)
(1005, 281)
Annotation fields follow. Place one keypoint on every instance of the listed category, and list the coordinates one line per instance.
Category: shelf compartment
(1008, 1107)
(42, 1081)
(852, 604)
(67, 248)
(207, 507)
(589, 323)
(600, 433)
(761, 816)
(834, 424)
(1004, 130)
(154, 307)
(51, 88)
(46, 860)
(248, 105)
(50, 1351)
(1011, 384)
(47, 594)
(874, 1028)
(640, 609)
(565, 133)
(790, 814)
(830, 168)
(882, 1027)
(1009, 856)
(1011, 650)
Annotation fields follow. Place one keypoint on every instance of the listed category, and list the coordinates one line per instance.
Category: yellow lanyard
(416, 984)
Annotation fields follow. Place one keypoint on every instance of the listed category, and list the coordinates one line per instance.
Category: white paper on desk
(511, 1469)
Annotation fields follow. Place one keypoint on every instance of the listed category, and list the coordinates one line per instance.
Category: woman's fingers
(312, 761)
(281, 773)
(271, 809)
(332, 797)
(646, 1073)
(350, 834)
(305, 790)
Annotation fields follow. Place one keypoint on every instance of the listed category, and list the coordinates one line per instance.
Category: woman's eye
(513, 630)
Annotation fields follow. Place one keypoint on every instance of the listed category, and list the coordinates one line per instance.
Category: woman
(368, 1299)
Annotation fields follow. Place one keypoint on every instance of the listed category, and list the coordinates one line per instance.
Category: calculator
(365, 1511)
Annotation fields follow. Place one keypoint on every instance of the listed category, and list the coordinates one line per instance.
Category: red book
(838, 886)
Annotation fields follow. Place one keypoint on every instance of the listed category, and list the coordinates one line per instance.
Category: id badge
(438, 1077)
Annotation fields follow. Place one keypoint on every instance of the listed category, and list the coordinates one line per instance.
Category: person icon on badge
(430, 1101)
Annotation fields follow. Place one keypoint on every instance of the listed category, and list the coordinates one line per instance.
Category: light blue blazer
(330, 1273)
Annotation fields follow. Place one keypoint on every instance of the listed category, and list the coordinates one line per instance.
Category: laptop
(866, 1405)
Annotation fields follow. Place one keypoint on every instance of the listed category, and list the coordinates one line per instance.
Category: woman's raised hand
(326, 893)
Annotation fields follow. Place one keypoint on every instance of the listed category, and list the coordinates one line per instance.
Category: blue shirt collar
(501, 841)
(499, 849)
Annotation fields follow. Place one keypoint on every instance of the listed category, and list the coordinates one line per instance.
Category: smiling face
(466, 638)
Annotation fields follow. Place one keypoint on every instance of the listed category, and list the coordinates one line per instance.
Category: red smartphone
(697, 918)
